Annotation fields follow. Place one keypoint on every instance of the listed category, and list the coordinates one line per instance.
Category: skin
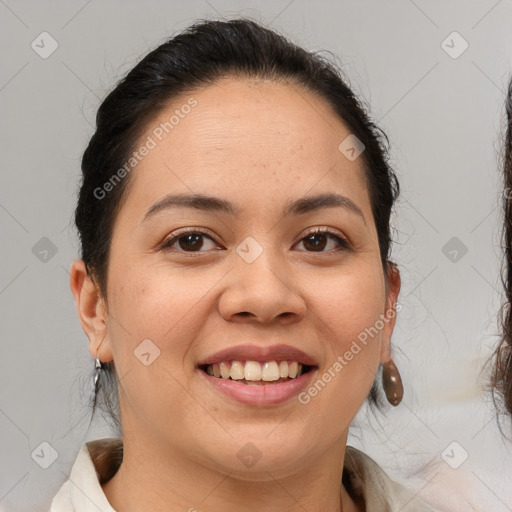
(257, 144)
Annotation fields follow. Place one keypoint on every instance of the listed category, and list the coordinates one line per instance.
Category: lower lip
(261, 395)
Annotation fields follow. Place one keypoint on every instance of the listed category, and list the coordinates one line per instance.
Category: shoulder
(366, 479)
(96, 462)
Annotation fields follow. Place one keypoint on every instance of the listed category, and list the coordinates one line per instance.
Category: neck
(164, 480)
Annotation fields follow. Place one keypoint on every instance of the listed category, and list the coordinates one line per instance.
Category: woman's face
(250, 280)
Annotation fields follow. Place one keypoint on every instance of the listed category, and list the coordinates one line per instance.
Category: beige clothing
(99, 460)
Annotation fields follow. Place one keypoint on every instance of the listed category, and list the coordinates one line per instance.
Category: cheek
(350, 308)
(347, 306)
(351, 302)
(158, 316)
(163, 305)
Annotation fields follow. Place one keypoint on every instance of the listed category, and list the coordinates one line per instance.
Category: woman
(234, 220)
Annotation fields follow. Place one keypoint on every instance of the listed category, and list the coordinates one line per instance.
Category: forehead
(247, 137)
(250, 114)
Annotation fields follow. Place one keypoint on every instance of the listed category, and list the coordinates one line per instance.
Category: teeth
(253, 371)
(237, 370)
(224, 370)
(270, 371)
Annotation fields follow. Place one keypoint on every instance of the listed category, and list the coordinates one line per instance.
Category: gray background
(444, 117)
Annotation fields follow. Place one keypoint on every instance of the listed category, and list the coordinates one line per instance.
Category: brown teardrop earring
(392, 383)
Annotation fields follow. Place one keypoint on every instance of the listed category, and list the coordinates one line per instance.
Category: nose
(261, 292)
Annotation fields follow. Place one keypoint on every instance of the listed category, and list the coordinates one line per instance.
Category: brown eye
(319, 240)
(192, 241)
(316, 242)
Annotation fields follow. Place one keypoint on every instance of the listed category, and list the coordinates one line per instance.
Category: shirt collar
(96, 462)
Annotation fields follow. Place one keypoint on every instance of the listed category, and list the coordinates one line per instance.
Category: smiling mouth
(254, 373)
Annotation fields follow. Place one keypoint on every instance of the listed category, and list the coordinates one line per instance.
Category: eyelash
(166, 245)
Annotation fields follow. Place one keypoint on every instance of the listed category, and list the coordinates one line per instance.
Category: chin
(252, 457)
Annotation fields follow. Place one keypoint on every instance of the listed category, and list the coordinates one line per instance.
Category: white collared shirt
(82, 491)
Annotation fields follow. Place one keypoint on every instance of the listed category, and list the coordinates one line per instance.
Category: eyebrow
(210, 203)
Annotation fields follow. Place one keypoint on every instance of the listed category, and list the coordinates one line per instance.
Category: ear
(91, 310)
(392, 291)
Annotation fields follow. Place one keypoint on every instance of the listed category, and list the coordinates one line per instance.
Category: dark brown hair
(202, 54)
(502, 370)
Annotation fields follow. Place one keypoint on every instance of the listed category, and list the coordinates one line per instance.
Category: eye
(196, 241)
(318, 240)
(189, 241)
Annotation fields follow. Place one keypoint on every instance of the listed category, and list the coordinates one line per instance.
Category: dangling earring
(97, 374)
(392, 383)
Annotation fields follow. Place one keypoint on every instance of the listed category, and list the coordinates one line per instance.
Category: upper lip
(260, 354)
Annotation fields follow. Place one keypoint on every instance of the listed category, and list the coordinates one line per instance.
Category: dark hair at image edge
(501, 378)
(202, 54)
